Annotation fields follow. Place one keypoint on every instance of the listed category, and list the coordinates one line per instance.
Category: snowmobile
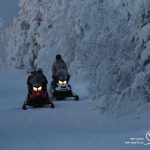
(60, 88)
(37, 96)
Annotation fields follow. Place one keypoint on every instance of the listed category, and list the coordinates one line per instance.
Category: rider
(38, 75)
(58, 65)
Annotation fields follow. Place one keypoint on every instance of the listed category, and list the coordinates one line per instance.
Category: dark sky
(8, 9)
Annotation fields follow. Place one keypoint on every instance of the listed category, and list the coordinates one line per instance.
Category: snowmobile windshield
(37, 79)
(62, 73)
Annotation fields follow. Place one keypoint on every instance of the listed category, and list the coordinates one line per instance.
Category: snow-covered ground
(70, 126)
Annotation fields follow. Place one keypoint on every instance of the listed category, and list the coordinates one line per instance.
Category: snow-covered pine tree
(141, 85)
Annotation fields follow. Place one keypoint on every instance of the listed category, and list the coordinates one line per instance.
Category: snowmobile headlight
(35, 89)
(39, 88)
(65, 82)
(62, 82)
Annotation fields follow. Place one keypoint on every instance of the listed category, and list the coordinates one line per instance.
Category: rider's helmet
(39, 70)
(58, 57)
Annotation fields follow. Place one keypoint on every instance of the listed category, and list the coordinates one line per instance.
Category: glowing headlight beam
(62, 82)
(40, 88)
(35, 89)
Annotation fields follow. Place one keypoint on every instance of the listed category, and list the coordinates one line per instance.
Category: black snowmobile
(60, 88)
(37, 95)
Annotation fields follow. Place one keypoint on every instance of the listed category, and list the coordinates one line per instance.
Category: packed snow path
(70, 126)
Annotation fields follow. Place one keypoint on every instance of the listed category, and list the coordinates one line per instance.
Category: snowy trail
(70, 126)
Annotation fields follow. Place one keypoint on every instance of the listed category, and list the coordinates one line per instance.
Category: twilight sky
(8, 9)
